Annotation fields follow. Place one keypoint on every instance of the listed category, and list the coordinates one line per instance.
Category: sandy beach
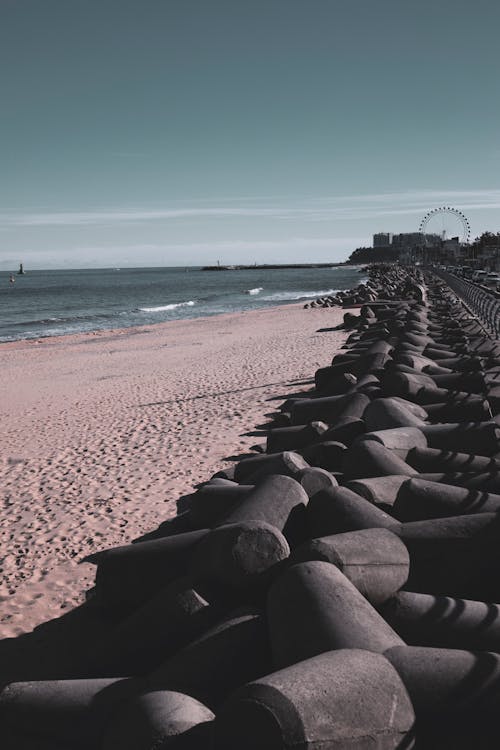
(103, 433)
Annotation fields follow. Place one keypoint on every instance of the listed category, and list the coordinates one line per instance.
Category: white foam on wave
(299, 295)
(173, 306)
(257, 290)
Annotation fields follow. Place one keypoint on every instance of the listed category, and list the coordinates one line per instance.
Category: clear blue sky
(174, 132)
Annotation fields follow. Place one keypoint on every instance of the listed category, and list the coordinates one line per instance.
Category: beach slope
(103, 433)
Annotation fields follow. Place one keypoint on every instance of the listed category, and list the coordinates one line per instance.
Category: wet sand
(103, 433)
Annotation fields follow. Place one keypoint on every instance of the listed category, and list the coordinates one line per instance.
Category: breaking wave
(299, 295)
(173, 306)
(257, 290)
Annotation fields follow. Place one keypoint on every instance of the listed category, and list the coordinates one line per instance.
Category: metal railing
(484, 304)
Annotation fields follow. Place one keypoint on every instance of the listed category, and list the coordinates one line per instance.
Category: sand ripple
(101, 434)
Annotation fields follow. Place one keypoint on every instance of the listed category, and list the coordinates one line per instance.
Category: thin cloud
(333, 208)
(236, 244)
(119, 217)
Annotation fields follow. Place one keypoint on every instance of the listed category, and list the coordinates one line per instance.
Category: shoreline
(139, 329)
(105, 431)
(146, 327)
(152, 300)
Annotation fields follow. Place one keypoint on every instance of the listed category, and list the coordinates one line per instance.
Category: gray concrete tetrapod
(375, 560)
(326, 409)
(237, 554)
(444, 622)
(295, 437)
(130, 575)
(398, 439)
(419, 499)
(157, 719)
(326, 455)
(329, 383)
(73, 713)
(448, 555)
(228, 655)
(432, 459)
(465, 437)
(135, 644)
(380, 491)
(472, 408)
(338, 510)
(387, 413)
(344, 431)
(212, 501)
(455, 695)
(277, 500)
(252, 470)
(312, 608)
(348, 699)
(369, 458)
(314, 479)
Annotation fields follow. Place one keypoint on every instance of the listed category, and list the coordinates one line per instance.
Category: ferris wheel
(444, 221)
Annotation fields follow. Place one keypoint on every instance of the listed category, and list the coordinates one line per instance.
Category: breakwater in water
(274, 266)
(336, 585)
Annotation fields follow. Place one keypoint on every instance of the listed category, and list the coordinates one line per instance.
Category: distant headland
(267, 266)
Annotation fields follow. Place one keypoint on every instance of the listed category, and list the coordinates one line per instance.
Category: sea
(56, 303)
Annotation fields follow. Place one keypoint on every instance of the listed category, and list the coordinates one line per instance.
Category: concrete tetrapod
(473, 408)
(448, 555)
(470, 382)
(135, 644)
(214, 500)
(295, 437)
(380, 491)
(251, 470)
(432, 459)
(400, 440)
(345, 431)
(329, 383)
(312, 607)
(444, 622)
(405, 384)
(130, 575)
(327, 455)
(70, 712)
(228, 655)
(455, 695)
(419, 499)
(276, 500)
(157, 719)
(465, 437)
(484, 481)
(338, 510)
(236, 555)
(440, 396)
(314, 480)
(387, 413)
(326, 409)
(348, 699)
(375, 560)
(354, 407)
(368, 384)
(369, 458)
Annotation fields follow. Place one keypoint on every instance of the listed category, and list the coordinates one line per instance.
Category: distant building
(382, 239)
(408, 239)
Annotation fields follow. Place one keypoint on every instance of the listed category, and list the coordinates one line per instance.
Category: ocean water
(54, 303)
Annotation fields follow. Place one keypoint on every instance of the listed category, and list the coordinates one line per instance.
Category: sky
(186, 132)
